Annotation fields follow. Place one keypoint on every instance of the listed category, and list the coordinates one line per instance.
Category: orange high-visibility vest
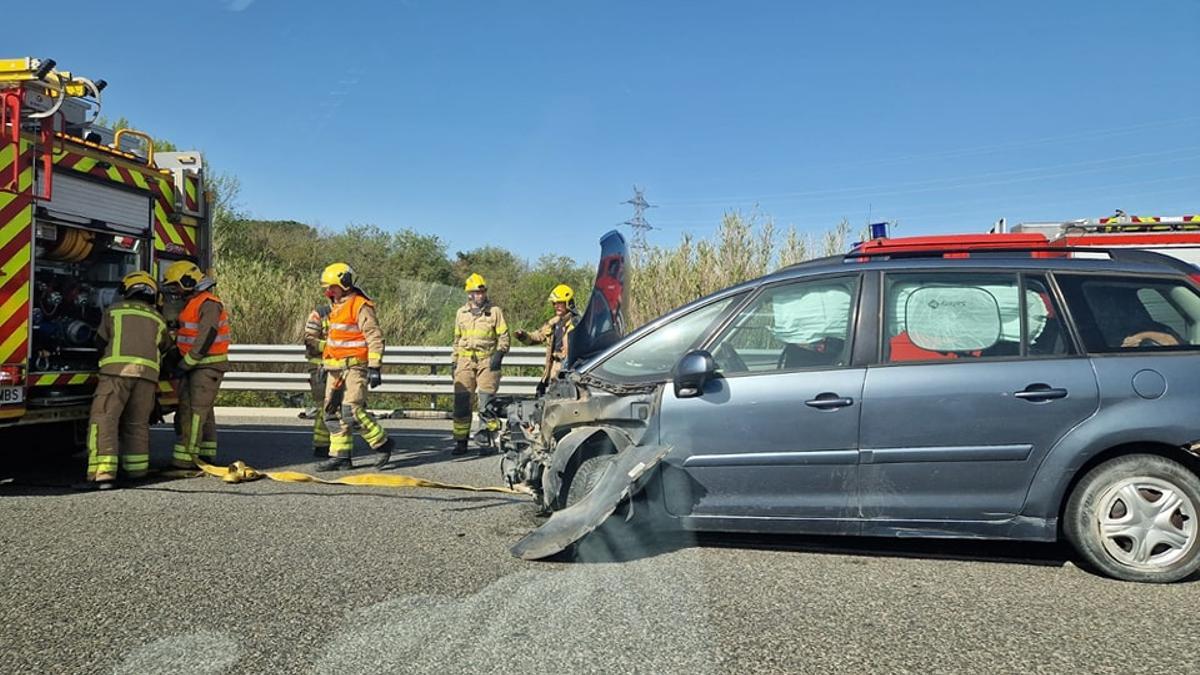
(346, 345)
(189, 329)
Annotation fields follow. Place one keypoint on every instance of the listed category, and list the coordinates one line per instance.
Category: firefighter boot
(335, 464)
(460, 447)
(385, 453)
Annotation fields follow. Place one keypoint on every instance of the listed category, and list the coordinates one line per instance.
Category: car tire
(1134, 518)
(584, 479)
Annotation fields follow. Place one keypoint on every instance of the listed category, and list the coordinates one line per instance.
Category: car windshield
(653, 355)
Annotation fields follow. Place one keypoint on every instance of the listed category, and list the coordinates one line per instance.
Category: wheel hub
(1146, 523)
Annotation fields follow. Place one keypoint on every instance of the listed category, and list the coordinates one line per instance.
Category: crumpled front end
(578, 418)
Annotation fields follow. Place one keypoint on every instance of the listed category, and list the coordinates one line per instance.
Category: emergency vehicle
(80, 206)
(1176, 236)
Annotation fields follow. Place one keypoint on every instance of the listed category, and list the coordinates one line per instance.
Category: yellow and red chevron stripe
(16, 238)
(168, 235)
(60, 379)
(1130, 220)
(191, 196)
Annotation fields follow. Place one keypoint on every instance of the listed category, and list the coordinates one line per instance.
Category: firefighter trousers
(346, 395)
(322, 417)
(195, 424)
(473, 376)
(119, 427)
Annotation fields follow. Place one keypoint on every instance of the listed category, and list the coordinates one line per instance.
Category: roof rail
(951, 243)
(964, 246)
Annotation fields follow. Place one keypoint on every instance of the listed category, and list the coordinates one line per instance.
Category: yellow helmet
(184, 273)
(562, 293)
(138, 282)
(475, 283)
(338, 274)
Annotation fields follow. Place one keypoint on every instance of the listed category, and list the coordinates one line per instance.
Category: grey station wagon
(990, 386)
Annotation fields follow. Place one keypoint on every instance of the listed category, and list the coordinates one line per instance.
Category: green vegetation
(268, 271)
(268, 274)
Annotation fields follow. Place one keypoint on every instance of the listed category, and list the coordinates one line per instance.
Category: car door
(978, 380)
(774, 435)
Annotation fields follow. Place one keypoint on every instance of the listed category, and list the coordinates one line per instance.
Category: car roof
(1124, 261)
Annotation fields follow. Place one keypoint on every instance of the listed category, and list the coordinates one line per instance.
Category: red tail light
(1195, 277)
(12, 375)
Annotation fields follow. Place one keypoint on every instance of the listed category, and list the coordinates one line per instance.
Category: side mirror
(692, 372)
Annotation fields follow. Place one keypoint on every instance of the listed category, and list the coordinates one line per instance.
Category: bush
(743, 248)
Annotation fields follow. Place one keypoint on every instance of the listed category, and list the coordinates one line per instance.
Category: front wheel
(1135, 518)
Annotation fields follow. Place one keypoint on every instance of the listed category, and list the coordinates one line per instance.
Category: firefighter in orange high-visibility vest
(353, 357)
(203, 342)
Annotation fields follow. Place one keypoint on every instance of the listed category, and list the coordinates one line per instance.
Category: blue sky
(524, 124)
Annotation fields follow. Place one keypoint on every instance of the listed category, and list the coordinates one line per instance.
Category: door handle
(829, 401)
(1041, 392)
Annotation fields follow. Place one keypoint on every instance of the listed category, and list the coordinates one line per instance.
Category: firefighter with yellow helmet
(555, 333)
(316, 332)
(203, 342)
(353, 356)
(134, 337)
(480, 341)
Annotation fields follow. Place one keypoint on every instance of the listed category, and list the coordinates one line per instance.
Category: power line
(638, 221)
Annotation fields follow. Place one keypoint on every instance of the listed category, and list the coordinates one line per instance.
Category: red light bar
(952, 243)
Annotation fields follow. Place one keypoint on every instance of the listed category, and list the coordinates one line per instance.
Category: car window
(797, 325)
(1129, 314)
(1047, 332)
(937, 316)
(655, 354)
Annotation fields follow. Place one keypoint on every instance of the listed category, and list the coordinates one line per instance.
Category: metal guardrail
(436, 382)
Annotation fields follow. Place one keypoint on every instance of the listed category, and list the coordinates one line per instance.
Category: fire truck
(1176, 236)
(80, 207)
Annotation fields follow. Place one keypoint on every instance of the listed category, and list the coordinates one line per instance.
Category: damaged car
(977, 386)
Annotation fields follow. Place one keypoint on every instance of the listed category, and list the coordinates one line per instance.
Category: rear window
(934, 316)
(1118, 314)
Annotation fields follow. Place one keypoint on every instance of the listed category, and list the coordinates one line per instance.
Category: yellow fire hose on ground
(240, 472)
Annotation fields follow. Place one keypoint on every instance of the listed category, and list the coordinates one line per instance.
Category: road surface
(198, 576)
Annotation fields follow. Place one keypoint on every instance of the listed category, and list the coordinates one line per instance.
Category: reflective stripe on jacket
(479, 332)
(556, 335)
(204, 332)
(135, 335)
(316, 330)
(354, 337)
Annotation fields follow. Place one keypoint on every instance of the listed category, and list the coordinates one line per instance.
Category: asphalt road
(197, 576)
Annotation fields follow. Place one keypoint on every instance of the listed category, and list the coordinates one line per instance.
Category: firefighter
(480, 342)
(352, 358)
(133, 336)
(555, 334)
(203, 342)
(316, 330)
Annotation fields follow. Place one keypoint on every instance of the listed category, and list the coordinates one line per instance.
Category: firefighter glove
(521, 335)
(374, 377)
(497, 357)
